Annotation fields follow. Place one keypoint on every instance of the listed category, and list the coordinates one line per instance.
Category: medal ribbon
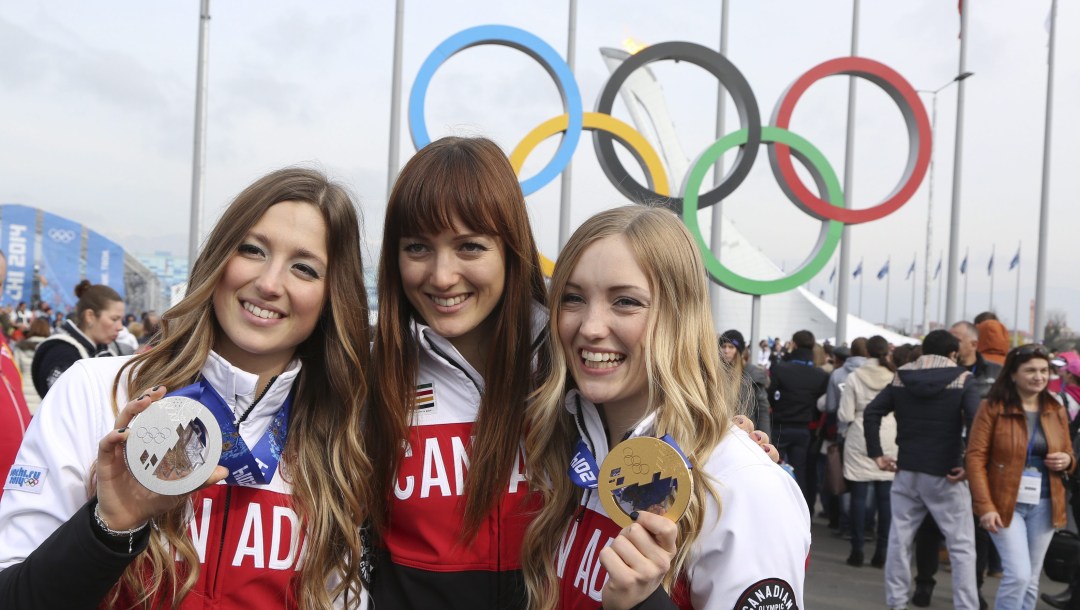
(247, 467)
(583, 470)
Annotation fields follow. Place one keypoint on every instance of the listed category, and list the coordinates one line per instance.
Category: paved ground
(832, 584)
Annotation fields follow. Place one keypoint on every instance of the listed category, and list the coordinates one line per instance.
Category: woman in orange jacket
(1018, 456)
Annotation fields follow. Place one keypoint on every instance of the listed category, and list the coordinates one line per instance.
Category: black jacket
(934, 400)
(795, 388)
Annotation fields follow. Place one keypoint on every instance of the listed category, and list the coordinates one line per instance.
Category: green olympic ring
(827, 185)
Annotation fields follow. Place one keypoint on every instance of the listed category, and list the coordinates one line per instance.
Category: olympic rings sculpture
(828, 205)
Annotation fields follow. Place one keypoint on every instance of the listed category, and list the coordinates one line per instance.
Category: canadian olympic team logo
(63, 236)
(826, 205)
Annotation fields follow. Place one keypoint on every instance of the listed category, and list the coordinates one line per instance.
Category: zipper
(455, 364)
(224, 528)
(258, 397)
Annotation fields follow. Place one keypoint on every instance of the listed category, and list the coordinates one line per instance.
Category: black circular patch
(768, 594)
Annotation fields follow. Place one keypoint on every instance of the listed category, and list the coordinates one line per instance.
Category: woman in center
(636, 356)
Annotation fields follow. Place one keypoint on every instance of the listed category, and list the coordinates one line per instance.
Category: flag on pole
(910, 270)
(883, 271)
(990, 265)
(1015, 262)
(963, 266)
(938, 269)
(832, 275)
(858, 270)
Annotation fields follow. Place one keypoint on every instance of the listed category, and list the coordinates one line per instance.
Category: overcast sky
(98, 99)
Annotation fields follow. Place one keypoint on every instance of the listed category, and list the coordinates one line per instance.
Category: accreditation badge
(174, 446)
(645, 474)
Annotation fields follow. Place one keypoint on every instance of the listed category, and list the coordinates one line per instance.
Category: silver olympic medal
(173, 446)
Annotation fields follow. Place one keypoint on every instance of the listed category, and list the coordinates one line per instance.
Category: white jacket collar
(240, 388)
(431, 341)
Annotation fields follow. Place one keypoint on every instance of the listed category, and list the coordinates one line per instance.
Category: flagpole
(716, 243)
(849, 160)
(940, 277)
(1044, 197)
(199, 161)
(913, 278)
(395, 99)
(954, 214)
(967, 272)
(564, 187)
(888, 278)
(862, 282)
(991, 308)
(1016, 311)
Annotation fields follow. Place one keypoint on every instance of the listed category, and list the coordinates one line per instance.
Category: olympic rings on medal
(918, 128)
(732, 80)
(826, 181)
(532, 46)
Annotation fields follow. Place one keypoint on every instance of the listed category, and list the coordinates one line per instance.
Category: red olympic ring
(918, 127)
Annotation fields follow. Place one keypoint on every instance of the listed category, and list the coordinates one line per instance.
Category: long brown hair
(470, 180)
(690, 389)
(324, 457)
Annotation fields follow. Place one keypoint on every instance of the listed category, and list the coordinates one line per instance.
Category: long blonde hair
(323, 457)
(689, 387)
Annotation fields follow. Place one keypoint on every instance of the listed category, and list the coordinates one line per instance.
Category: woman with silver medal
(263, 358)
(634, 368)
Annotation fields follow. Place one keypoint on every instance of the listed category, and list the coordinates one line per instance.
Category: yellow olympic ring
(594, 121)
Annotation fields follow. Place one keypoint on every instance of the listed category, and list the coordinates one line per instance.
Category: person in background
(752, 380)
(764, 355)
(993, 340)
(1066, 388)
(934, 400)
(99, 314)
(1018, 450)
(24, 355)
(14, 414)
(794, 388)
(151, 324)
(861, 472)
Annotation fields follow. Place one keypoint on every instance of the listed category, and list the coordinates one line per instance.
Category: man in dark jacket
(794, 389)
(934, 401)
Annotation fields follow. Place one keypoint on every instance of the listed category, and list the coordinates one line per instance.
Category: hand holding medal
(125, 502)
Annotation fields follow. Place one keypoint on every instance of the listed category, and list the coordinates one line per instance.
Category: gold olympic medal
(174, 446)
(644, 474)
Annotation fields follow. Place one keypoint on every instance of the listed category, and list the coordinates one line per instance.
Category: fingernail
(155, 388)
(757, 436)
(765, 448)
(142, 397)
(122, 430)
(634, 516)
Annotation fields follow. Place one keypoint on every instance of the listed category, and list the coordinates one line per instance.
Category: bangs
(457, 186)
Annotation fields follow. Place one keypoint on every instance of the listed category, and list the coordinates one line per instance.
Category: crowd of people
(960, 440)
(456, 454)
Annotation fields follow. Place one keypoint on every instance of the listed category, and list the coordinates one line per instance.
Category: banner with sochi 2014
(18, 240)
(61, 241)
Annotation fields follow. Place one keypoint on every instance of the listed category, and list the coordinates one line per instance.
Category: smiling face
(603, 319)
(454, 281)
(273, 289)
(1031, 377)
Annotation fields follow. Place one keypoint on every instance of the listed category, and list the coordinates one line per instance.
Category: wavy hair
(466, 180)
(323, 457)
(1004, 388)
(690, 389)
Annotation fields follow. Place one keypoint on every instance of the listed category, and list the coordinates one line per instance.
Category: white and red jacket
(750, 553)
(423, 562)
(248, 538)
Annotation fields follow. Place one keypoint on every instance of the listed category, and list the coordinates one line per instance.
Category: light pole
(930, 205)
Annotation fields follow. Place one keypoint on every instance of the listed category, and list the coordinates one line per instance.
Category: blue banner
(18, 240)
(104, 262)
(61, 240)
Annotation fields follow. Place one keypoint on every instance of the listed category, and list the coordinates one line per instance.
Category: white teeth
(602, 360)
(265, 314)
(441, 302)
